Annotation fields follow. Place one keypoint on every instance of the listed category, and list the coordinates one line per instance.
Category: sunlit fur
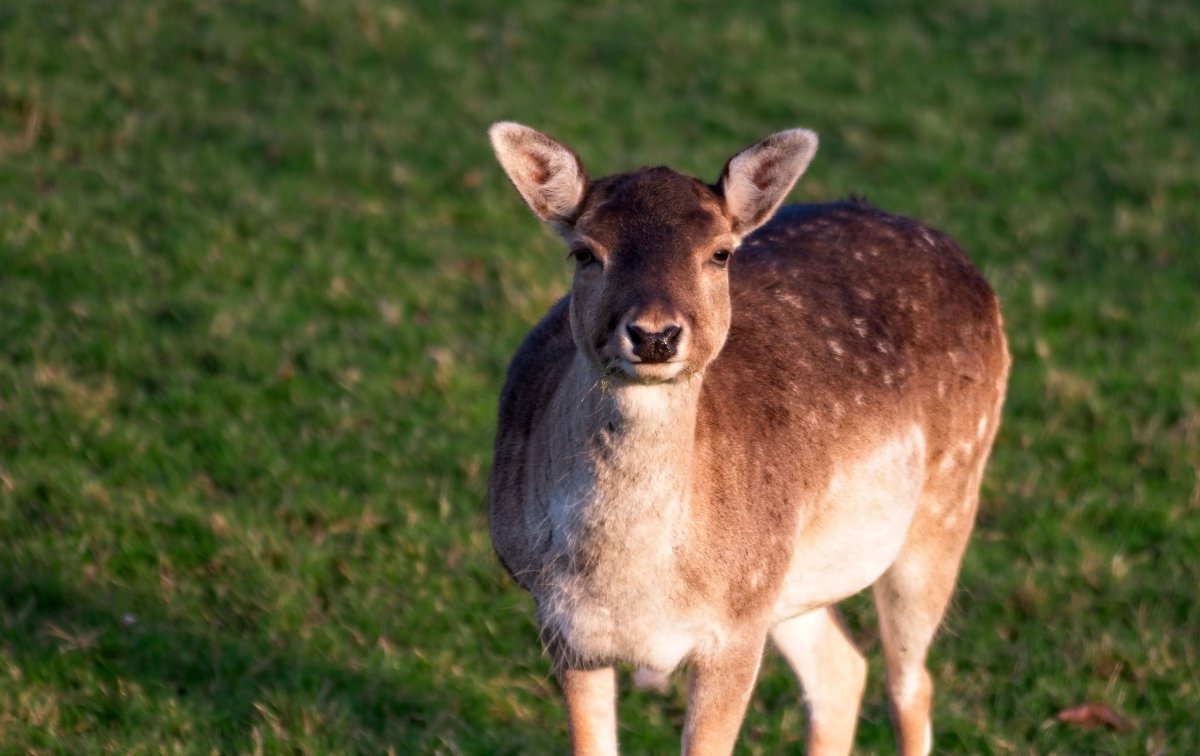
(822, 426)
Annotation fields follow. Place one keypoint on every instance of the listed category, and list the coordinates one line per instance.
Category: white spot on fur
(860, 326)
(756, 579)
(966, 449)
(836, 347)
(790, 299)
(981, 429)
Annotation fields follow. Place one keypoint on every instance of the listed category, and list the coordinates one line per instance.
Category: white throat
(621, 459)
(618, 495)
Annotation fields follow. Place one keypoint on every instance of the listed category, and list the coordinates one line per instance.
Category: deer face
(650, 298)
(652, 248)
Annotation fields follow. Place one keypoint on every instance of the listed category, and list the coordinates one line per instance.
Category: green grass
(260, 278)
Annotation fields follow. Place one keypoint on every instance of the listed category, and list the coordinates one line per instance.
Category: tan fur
(695, 453)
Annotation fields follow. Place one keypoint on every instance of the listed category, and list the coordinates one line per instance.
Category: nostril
(636, 335)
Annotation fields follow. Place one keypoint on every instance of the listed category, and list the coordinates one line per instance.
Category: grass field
(260, 277)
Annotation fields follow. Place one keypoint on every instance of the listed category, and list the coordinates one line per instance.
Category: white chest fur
(615, 501)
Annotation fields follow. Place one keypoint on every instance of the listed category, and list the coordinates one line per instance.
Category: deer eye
(721, 256)
(583, 255)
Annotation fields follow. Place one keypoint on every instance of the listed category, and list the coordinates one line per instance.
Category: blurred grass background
(260, 278)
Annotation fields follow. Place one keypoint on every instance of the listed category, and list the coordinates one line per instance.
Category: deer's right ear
(548, 175)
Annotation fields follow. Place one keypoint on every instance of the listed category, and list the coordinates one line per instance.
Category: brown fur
(835, 332)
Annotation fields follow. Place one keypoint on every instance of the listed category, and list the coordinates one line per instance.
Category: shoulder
(538, 364)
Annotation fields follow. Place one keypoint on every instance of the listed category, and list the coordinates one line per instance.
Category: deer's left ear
(549, 176)
(757, 179)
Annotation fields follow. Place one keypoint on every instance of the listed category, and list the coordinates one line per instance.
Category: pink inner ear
(538, 168)
(765, 172)
(757, 180)
(546, 173)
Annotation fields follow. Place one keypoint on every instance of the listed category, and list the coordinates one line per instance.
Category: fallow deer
(737, 418)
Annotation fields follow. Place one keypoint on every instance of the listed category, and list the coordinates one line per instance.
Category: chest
(611, 583)
(607, 598)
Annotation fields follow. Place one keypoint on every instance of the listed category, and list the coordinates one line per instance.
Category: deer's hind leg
(832, 673)
(912, 596)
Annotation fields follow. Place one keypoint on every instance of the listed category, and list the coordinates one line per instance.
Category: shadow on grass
(235, 684)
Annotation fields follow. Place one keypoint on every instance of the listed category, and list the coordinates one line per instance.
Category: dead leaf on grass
(1092, 715)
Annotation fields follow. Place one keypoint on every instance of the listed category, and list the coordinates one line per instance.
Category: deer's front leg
(591, 709)
(719, 688)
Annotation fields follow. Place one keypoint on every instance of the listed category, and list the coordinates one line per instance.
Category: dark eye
(721, 256)
(583, 255)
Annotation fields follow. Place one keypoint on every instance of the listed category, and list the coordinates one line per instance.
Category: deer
(739, 416)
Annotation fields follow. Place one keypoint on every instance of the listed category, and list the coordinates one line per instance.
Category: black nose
(658, 346)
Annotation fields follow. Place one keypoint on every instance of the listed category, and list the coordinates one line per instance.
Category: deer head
(652, 247)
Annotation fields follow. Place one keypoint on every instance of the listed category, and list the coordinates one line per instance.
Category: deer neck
(624, 459)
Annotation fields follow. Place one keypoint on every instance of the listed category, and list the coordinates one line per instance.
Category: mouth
(647, 372)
